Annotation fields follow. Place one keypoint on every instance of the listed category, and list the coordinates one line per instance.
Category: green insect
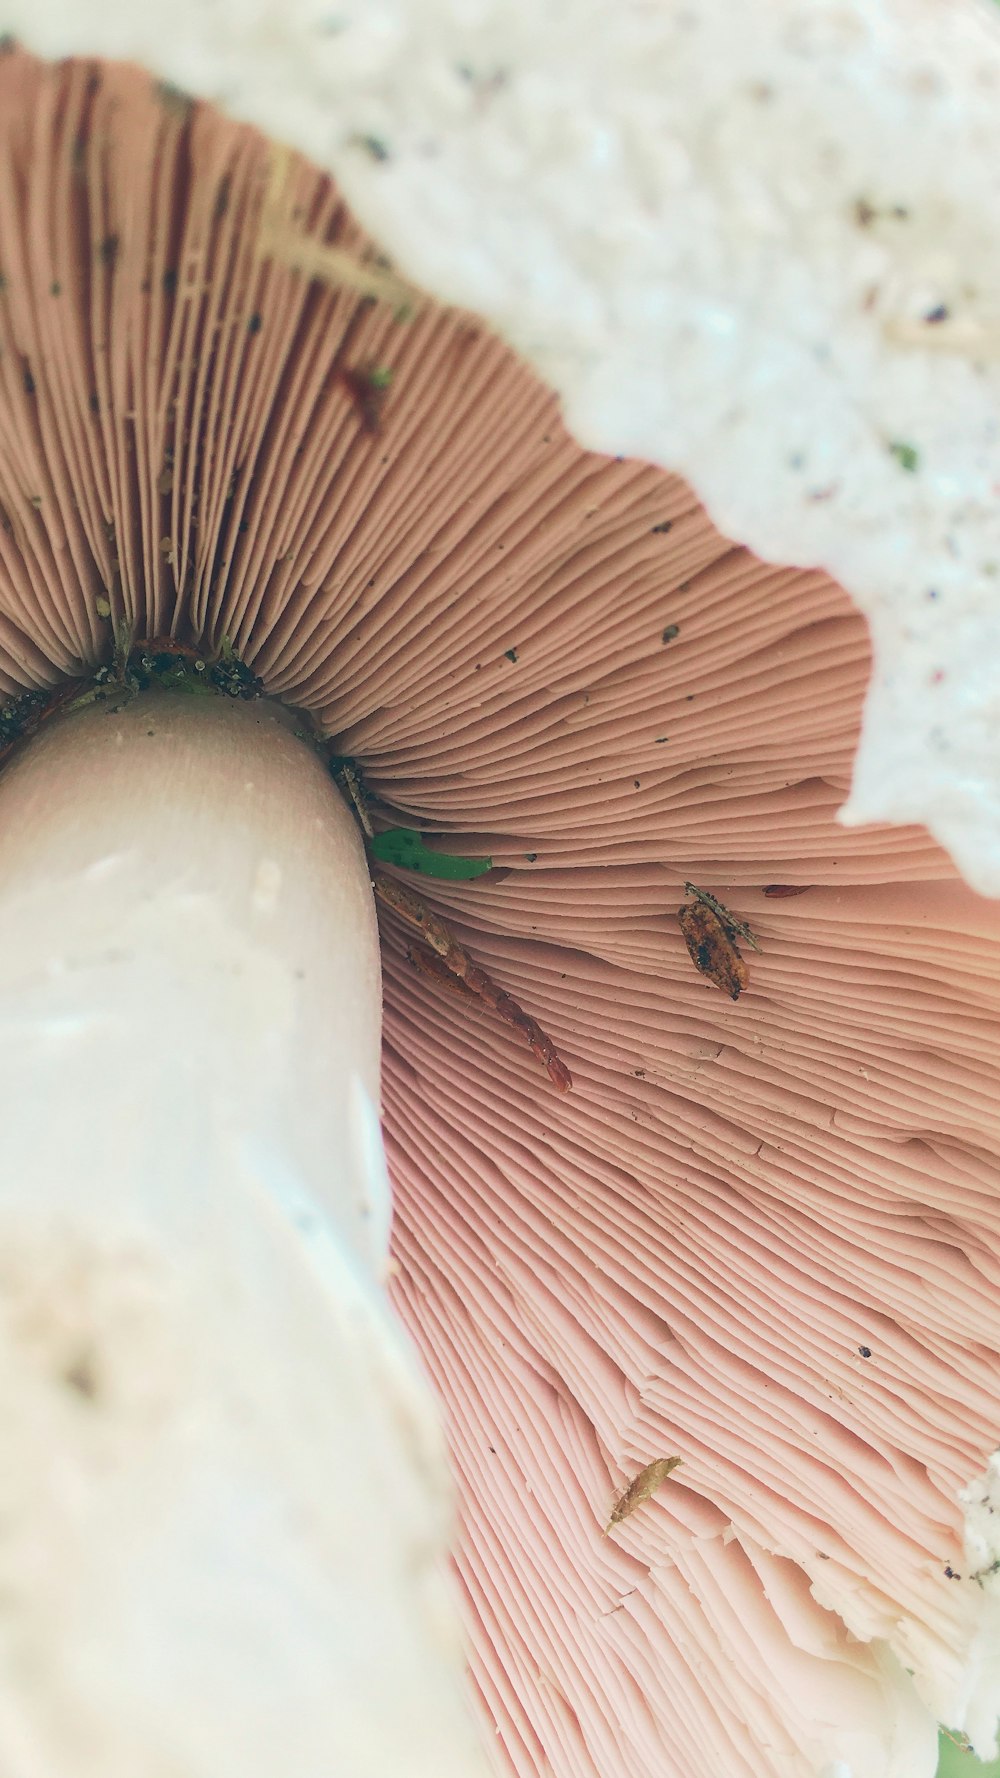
(440, 955)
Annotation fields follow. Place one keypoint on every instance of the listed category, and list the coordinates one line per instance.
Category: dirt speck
(80, 1374)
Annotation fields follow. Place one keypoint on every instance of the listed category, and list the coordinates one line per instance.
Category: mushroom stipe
(163, 662)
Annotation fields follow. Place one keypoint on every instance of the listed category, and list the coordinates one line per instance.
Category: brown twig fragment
(456, 959)
(427, 962)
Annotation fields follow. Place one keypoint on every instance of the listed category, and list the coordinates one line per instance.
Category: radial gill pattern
(761, 1236)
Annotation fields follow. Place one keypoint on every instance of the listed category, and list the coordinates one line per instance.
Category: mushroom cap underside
(760, 1235)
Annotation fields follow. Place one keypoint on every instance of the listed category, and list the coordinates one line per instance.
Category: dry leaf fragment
(640, 1488)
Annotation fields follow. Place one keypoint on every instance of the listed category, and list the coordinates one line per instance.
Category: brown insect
(710, 933)
(640, 1488)
(444, 953)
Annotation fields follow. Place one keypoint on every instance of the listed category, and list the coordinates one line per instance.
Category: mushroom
(758, 1237)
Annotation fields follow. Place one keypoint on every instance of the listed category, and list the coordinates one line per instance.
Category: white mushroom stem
(223, 1494)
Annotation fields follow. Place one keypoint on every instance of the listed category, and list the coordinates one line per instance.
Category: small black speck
(95, 406)
(906, 455)
(151, 731)
(670, 632)
(950, 1572)
(510, 654)
(374, 146)
(531, 856)
(661, 739)
(666, 526)
(635, 783)
(29, 383)
(492, 1450)
(81, 1376)
(170, 280)
(640, 1073)
(255, 323)
(55, 289)
(109, 249)
(938, 313)
(865, 1351)
(174, 98)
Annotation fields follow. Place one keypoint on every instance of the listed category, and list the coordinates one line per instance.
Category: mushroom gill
(761, 1236)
